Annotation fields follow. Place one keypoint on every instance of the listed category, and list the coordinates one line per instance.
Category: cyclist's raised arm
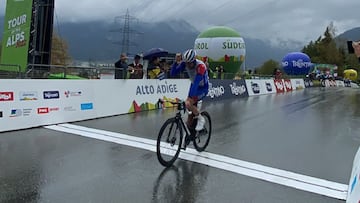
(176, 68)
(201, 70)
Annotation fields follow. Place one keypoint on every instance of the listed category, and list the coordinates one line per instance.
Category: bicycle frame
(180, 120)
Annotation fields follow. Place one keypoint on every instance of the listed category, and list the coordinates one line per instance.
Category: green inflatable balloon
(223, 46)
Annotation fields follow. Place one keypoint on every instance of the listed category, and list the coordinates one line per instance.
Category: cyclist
(199, 87)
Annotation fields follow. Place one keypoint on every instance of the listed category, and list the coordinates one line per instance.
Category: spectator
(153, 69)
(178, 59)
(220, 71)
(136, 68)
(277, 73)
(165, 68)
(121, 67)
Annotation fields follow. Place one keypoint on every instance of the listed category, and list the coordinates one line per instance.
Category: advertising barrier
(260, 87)
(225, 89)
(31, 103)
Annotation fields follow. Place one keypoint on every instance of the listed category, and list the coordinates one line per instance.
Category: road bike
(171, 137)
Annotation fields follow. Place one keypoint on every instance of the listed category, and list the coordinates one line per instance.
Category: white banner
(297, 84)
(31, 103)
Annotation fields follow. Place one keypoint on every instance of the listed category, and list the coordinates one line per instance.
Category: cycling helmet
(189, 55)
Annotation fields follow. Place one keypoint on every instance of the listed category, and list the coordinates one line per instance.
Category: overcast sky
(275, 20)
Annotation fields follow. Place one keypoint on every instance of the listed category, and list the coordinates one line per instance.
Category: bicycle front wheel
(169, 142)
(202, 137)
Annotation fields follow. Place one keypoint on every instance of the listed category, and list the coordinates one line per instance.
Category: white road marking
(273, 175)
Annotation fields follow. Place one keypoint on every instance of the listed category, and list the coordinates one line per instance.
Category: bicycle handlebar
(180, 104)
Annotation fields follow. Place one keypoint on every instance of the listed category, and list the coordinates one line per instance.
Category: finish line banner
(16, 36)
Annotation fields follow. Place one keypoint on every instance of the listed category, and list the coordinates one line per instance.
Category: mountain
(95, 40)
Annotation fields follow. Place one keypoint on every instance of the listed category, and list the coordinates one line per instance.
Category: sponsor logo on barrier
(237, 90)
(69, 108)
(51, 94)
(6, 96)
(215, 91)
(52, 109)
(1, 114)
(28, 96)
(43, 110)
(160, 89)
(15, 113)
(279, 86)
(255, 88)
(72, 93)
(268, 86)
(27, 112)
(288, 85)
(353, 184)
(298, 84)
(86, 106)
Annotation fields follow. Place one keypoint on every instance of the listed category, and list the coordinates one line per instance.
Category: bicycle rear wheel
(169, 142)
(202, 137)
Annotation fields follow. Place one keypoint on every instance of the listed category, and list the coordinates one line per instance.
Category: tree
(59, 51)
(325, 50)
(328, 50)
(268, 67)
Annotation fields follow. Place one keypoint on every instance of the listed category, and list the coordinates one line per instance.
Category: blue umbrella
(155, 52)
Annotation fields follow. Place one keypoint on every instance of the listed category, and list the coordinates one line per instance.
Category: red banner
(280, 87)
(288, 85)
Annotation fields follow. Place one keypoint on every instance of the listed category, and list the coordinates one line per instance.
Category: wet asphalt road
(314, 132)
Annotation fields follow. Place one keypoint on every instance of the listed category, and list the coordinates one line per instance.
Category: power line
(125, 31)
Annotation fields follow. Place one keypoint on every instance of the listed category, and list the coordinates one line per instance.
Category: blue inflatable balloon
(296, 63)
